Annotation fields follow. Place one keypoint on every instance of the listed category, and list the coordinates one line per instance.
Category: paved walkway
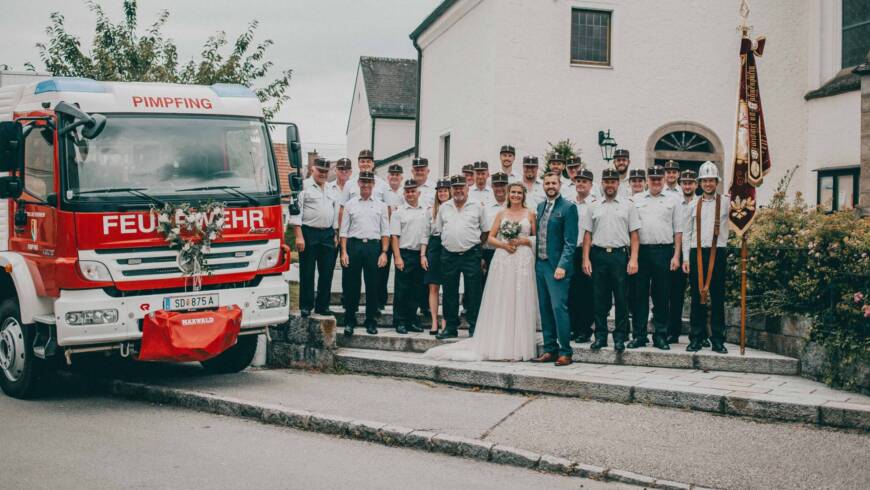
(664, 443)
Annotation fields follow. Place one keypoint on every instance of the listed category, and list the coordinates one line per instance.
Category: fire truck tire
(234, 359)
(20, 370)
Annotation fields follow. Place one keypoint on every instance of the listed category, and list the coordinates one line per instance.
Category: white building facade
(662, 76)
(383, 110)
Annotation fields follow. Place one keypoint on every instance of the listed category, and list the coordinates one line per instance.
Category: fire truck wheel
(20, 369)
(234, 359)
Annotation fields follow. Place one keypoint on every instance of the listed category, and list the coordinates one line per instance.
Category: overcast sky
(321, 40)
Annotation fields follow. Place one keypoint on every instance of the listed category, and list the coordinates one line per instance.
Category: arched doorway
(688, 143)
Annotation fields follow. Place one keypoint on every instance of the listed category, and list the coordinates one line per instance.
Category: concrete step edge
(501, 377)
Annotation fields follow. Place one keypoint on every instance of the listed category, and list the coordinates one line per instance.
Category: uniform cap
(366, 154)
(442, 184)
(366, 176)
(530, 161)
(411, 184)
(656, 171)
(636, 173)
(708, 170)
(499, 178)
(508, 149)
(457, 181)
(468, 169)
(671, 165)
(321, 163)
(688, 175)
(343, 164)
(584, 174)
(573, 162)
(395, 169)
(481, 165)
(609, 174)
(620, 153)
(556, 158)
(420, 162)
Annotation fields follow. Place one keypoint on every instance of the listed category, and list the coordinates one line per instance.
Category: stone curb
(375, 432)
(717, 401)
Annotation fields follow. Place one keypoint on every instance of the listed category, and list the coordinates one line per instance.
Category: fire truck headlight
(94, 271)
(270, 258)
(272, 301)
(91, 317)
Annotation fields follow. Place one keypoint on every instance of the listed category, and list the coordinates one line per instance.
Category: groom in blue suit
(554, 264)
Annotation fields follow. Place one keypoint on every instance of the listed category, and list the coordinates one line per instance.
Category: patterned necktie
(542, 233)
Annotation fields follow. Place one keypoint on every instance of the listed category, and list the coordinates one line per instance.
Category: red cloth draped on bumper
(189, 336)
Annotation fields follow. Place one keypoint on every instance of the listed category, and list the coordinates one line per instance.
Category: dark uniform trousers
(677, 295)
(652, 279)
(383, 277)
(319, 254)
(363, 259)
(715, 298)
(468, 265)
(581, 304)
(488, 254)
(407, 291)
(609, 282)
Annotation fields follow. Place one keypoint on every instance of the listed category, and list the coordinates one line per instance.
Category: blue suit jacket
(561, 234)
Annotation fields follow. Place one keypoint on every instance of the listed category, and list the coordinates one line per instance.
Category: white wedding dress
(506, 323)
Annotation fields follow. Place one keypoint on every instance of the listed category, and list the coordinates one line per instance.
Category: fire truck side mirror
(11, 146)
(294, 147)
(295, 181)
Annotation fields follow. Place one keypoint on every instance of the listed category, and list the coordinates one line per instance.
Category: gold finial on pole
(744, 16)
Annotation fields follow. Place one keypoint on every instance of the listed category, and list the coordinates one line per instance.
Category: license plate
(196, 302)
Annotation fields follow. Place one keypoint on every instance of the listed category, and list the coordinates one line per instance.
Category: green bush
(803, 261)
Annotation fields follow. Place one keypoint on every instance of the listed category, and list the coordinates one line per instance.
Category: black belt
(314, 228)
(409, 250)
(611, 249)
(472, 249)
(364, 240)
(658, 245)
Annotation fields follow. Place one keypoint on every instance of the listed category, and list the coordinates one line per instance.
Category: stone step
(778, 397)
(755, 361)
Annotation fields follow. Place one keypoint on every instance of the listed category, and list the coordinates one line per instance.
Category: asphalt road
(77, 440)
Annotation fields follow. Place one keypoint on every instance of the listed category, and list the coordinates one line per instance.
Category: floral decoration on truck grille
(191, 232)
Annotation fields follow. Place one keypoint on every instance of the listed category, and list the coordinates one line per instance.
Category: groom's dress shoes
(598, 344)
(619, 346)
(637, 342)
(545, 357)
(446, 334)
(564, 361)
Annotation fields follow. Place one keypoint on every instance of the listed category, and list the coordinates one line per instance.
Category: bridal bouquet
(509, 230)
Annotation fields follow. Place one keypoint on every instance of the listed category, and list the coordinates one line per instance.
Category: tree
(563, 148)
(120, 53)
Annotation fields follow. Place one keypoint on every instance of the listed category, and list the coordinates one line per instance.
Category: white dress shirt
(708, 216)
(583, 208)
(427, 193)
(394, 198)
(660, 218)
(460, 229)
(337, 194)
(482, 196)
(535, 195)
(317, 208)
(364, 219)
(411, 225)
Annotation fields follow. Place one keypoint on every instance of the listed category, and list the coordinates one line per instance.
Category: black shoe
(306, 313)
(674, 339)
(401, 329)
(446, 334)
(415, 327)
(324, 312)
(637, 342)
(661, 343)
(371, 328)
(694, 346)
(705, 343)
(719, 347)
(619, 346)
(582, 338)
(433, 332)
(598, 344)
(348, 330)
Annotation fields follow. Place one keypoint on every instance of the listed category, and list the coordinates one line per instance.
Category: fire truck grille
(142, 263)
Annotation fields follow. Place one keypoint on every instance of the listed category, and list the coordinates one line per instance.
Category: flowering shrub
(803, 261)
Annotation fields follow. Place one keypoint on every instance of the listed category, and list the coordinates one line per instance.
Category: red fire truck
(83, 266)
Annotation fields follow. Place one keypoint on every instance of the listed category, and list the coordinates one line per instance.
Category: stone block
(297, 330)
(589, 471)
(329, 424)
(696, 399)
(395, 435)
(420, 439)
(814, 359)
(616, 391)
(771, 407)
(747, 364)
(514, 457)
(672, 485)
(797, 326)
(773, 324)
(462, 446)
(297, 419)
(630, 478)
(845, 414)
(474, 377)
(387, 367)
(365, 430)
(555, 464)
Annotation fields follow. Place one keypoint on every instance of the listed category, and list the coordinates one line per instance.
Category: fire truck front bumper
(91, 317)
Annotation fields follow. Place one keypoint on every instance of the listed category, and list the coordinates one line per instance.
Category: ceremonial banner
(751, 157)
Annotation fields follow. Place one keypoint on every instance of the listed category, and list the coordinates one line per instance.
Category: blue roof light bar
(69, 84)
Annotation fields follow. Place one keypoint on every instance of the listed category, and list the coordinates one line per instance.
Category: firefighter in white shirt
(366, 163)
(507, 155)
(426, 187)
(534, 186)
(621, 162)
(704, 259)
(409, 227)
(672, 177)
(492, 207)
(480, 191)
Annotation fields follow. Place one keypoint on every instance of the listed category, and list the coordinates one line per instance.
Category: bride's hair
(521, 186)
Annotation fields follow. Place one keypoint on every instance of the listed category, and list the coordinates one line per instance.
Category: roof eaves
(845, 81)
(393, 158)
(431, 18)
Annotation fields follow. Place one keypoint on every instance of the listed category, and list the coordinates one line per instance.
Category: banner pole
(743, 254)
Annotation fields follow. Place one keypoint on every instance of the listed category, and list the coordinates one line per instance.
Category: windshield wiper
(229, 189)
(136, 191)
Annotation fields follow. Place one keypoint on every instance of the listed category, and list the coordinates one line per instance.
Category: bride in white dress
(509, 308)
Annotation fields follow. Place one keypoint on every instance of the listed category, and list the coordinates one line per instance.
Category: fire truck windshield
(170, 156)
